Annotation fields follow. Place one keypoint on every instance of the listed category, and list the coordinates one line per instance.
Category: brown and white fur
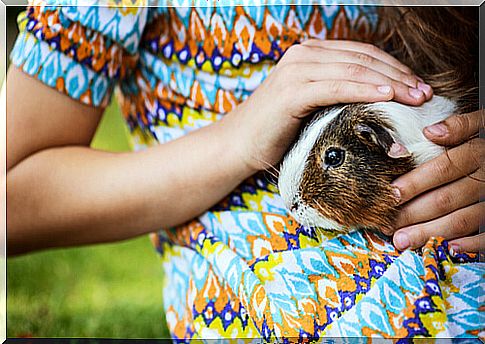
(379, 141)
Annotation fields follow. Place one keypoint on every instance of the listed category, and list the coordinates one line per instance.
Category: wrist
(238, 142)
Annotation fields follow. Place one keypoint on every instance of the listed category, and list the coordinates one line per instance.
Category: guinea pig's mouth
(310, 217)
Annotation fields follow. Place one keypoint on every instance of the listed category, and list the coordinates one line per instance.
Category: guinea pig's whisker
(272, 174)
(273, 171)
(272, 183)
(308, 222)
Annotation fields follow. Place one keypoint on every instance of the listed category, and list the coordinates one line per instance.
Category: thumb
(456, 128)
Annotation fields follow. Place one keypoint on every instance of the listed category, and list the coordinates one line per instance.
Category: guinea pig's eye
(334, 157)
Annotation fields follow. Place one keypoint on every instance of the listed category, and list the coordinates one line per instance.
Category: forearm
(77, 195)
(66, 196)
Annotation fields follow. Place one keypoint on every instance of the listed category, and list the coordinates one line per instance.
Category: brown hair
(440, 44)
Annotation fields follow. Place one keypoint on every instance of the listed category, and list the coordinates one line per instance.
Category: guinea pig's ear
(377, 135)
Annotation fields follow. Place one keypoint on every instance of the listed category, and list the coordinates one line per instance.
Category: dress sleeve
(82, 51)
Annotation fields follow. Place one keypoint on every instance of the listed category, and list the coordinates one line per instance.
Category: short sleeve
(82, 51)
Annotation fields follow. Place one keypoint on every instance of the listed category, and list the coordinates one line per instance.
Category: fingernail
(397, 194)
(425, 88)
(454, 249)
(438, 129)
(415, 93)
(384, 89)
(401, 241)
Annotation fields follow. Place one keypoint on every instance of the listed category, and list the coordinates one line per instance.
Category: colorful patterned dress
(246, 269)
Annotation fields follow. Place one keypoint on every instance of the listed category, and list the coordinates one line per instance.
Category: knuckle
(412, 190)
(364, 58)
(421, 237)
(444, 201)
(335, 87)
(440, 168)
(309, 42)
(477, 144)
(405, 216)
(409, 188)
(408, 78)
(476, 152)
(355, 70)
(407, 70)
(295, 52)
(460, 123)
(460, 224)
(373, 50)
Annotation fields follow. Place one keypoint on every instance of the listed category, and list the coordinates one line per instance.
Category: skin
(442, 196)
(61, 192)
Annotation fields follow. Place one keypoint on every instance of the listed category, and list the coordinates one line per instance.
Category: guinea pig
(338, 173)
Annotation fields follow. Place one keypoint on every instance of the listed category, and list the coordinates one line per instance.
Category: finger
(427, 90)
(474, 243)
(439, 202)
(372, 63)
(301, 53)
(354, 72)
(365, 48)
(458, 224)
(456, 129)
(330, 92)
(447, 167)
(416, 83)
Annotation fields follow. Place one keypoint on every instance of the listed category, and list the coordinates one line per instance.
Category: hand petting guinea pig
(338, 174)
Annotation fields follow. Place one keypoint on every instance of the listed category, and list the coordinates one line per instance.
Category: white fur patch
(292, 168)
(409, 122)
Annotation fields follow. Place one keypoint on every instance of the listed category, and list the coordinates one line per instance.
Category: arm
(61, 192)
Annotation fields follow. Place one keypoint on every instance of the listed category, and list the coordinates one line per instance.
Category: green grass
(111, 290)
(112, 133)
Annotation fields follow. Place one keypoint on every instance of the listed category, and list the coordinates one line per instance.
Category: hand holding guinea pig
(312, 75)
(338, 174)
(442, 197)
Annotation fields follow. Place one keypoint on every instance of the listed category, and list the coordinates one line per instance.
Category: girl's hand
(442, 196)
(315, 74)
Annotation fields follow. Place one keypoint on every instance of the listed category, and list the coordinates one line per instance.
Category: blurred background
(112, 290)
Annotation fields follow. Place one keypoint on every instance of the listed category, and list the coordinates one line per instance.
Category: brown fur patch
(358, 192)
